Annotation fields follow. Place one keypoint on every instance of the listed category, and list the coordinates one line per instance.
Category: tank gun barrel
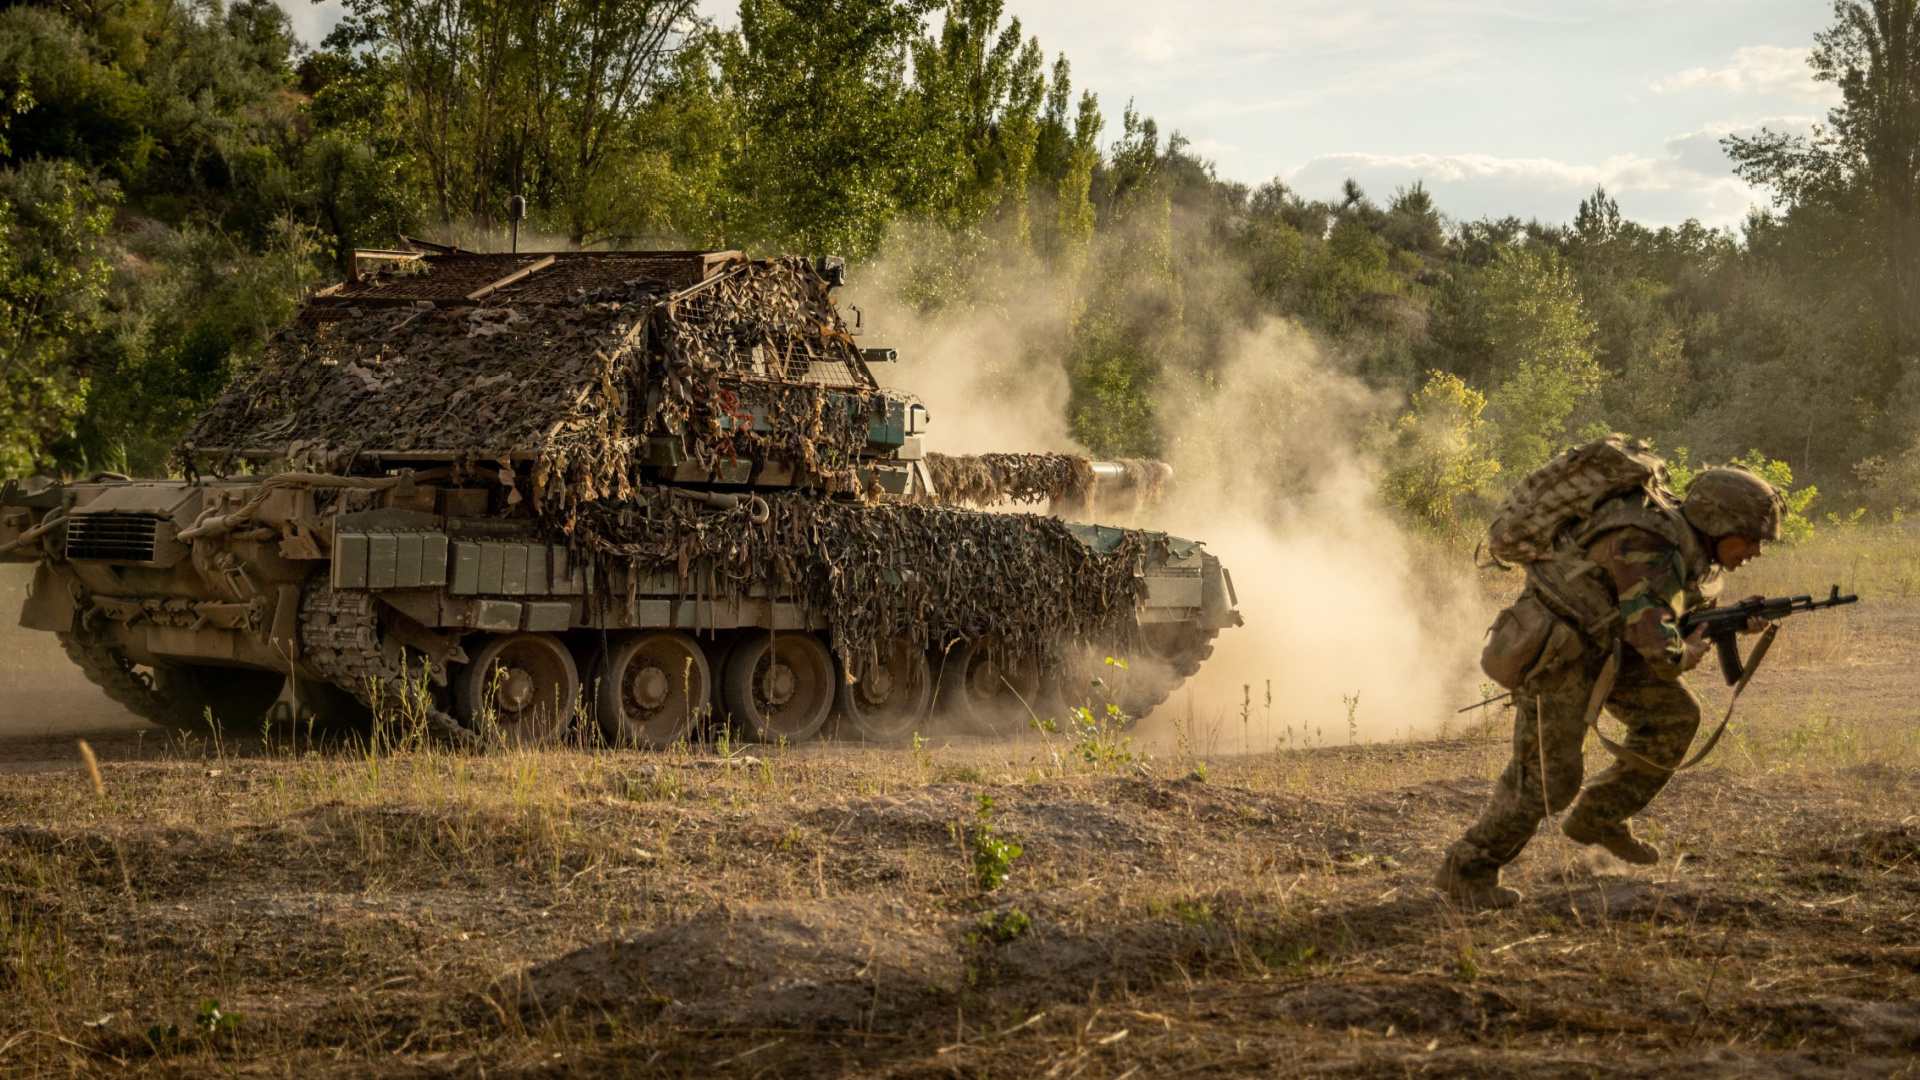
(1132, 472)
(1069, 482)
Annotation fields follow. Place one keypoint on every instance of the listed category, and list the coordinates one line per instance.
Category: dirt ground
(246, 908)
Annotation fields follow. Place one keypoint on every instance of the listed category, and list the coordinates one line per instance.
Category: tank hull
(375, 592)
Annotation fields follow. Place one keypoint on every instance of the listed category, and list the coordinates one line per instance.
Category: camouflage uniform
(1633, 570)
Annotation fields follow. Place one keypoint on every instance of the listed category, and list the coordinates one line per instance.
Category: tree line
(176, 174)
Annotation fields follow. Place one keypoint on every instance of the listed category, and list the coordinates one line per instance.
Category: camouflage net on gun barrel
(991, 479)
(880, 572)
(1068, 481)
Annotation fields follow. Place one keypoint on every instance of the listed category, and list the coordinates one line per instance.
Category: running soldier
(1604, 596)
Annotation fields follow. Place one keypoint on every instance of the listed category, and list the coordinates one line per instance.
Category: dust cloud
(990, 375)
(1354, 630)
(41, 691)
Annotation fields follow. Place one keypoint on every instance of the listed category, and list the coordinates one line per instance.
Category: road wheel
(522, 686)
(650, 688)
(779, 686)
(986, 689)
(1173, 655)
(885, 699)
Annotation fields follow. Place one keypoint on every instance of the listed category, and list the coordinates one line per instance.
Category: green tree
(1345, 273)
(1865, 161)
(1520, 324)
(1132, 319)
(1438, 454)
(1413, 222)
(53, 275)
(1074, 217)
(829, 156)
(1623, 272)
(978, 91)
(500, 97)
(85, 108)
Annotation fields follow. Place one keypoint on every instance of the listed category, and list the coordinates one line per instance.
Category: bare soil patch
(816, 912)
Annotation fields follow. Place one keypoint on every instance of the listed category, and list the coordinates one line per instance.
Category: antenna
(516, 210)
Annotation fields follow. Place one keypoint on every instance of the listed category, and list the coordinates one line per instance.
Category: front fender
(50, 604)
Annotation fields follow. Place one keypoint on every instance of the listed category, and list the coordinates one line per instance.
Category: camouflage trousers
(1550, 723)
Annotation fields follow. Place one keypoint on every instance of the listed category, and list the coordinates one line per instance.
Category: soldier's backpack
(1566, 490)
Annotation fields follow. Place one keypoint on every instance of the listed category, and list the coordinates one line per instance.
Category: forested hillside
(175, 176)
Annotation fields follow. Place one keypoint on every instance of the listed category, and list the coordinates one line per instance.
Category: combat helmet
(1732, 500)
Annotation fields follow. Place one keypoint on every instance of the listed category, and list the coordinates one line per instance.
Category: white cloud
(1158, 45)
(313, 20)
(1691, 179)
(1756, 69)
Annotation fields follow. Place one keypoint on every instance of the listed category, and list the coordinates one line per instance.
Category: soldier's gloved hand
(1756, 624)
(1697, 646)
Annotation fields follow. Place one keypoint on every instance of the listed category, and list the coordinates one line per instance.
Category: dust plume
(990, 373)
(1357, 630)
(41, 692)
(1353, 629)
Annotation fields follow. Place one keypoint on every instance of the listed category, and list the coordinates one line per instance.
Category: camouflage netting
(455, 381)
(991, 479)
(576, 387)
(878, 572)
(1147, 479)
(719, 342)
(751, 366)
(772, 320)
(1065, 480)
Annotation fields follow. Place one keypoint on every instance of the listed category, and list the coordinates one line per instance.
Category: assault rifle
(1722, 624)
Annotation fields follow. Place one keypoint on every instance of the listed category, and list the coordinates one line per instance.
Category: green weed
(993, 857)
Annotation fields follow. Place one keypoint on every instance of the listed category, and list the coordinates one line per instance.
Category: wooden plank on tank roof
(438, 249)
(488, 290)
(379, 255)
(715, 260)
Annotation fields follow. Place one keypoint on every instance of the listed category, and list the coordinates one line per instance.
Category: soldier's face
(1732, 551)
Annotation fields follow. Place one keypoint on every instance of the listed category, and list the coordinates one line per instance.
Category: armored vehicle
(636, 490)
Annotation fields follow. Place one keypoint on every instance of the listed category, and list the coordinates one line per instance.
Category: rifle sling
(1604, 686)
(1753, 664)
(1597, 700)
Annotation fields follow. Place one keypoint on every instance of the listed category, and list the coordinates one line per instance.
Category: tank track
(110, 670)
(340, 638)
(1185, 665)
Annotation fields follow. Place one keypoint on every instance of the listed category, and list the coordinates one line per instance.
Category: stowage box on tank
(637, 489)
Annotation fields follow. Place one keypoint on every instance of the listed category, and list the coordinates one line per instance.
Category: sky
(1500, 107)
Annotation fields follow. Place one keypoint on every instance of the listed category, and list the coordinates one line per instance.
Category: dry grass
(814, 911)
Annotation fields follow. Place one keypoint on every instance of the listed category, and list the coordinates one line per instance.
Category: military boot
(1474, 889)
(1616, 836)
